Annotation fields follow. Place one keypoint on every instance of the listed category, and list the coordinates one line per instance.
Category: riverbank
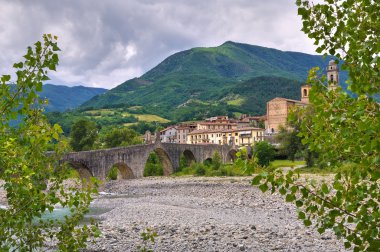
(202, 214)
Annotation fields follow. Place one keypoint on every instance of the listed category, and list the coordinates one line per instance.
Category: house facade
(238, 136)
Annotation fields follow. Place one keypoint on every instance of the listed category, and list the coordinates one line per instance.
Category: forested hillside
(231, 78)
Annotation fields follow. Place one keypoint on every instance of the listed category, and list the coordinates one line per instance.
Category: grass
(286, 163)
(152, 118)
(100, 111)
(236, 102)
(129, 124)
(147, 117)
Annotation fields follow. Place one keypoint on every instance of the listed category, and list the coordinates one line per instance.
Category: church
(278, 108)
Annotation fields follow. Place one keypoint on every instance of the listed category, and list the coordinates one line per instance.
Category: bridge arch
(165, 161)
(123, 171)
(83, 171)
(189, 157)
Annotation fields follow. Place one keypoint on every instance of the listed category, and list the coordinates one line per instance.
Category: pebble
(202, 214)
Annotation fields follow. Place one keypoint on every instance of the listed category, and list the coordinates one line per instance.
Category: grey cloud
(105, 43)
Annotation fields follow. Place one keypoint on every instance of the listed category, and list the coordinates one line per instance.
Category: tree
(264, 152)
(290, 143)
(83, 135)
(216, 161)
(33, 179)
(289, 136)
(153, 166)
(345, 128)
(121, 137)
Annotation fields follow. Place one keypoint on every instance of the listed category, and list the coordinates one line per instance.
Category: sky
(106, 42)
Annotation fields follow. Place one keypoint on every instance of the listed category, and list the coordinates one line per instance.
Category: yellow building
(237, 136)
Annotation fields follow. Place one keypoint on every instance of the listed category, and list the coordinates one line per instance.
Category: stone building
(279, 108)
(277, 112)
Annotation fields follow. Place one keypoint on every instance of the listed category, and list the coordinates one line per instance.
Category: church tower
(333, 74)
(305, 89)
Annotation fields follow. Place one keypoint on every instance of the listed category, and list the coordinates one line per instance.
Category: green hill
(199, 82)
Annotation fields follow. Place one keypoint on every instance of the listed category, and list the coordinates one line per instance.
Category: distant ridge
(62, 98)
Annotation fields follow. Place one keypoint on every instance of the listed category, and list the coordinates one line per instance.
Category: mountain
(230, 78)
(62, 98)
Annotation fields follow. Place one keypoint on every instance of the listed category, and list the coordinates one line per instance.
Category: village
(246, 130)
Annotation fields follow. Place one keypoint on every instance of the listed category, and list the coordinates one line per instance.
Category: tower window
(305, 92)
(332, 78)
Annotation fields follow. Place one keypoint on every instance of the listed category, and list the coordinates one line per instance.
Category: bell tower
(305, 89)
(333, 74)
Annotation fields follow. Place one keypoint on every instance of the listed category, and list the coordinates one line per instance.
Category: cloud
(104, 43)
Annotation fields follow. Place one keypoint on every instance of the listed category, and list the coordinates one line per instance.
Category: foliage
(83, 135)
(121, 137)
(153, 166)
(142, 127)
(290, 142)
(245, 163)
(148, 236)
(344, 128)
(207, 169)
(200, 170)
(112, 174)
(216, 161)
(264, 152)
(33, 179)
(285, 163)
(182, 162)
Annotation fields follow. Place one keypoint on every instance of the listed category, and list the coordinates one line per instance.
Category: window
(236, 134)
(305, 92)
(332, 77)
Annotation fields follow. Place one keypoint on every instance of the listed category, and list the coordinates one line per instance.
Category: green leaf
(301, 215)
(290, 197)
(299, 203)
(263, 187)
(256, 180)
(347, 245)
(325, 189)
(282, 191)
(307, 222)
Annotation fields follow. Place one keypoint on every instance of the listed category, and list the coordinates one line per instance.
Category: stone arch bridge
(131, 160)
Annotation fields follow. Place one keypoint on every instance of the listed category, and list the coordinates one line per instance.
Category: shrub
(200, 171)
(112, 174)
(264, 152)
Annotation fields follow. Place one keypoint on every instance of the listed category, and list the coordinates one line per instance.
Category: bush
(153, 166)
(112, 174)
(200, 171)
(264, 152)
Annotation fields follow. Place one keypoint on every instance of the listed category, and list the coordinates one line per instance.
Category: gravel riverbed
(202, 214)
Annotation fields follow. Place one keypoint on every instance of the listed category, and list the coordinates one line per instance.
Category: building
(277, 112)
(169, 135)
(183, 130)
(278, 108)
(238, 136)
